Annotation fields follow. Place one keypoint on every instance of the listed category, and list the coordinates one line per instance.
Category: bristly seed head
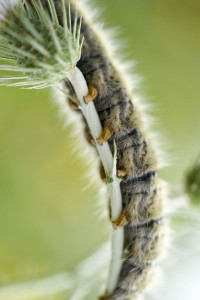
(34, 44)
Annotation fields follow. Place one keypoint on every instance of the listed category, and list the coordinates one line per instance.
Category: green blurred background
(48, 220)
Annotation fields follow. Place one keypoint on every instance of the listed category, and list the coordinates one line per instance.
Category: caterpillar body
(141, 189)
(47, 53)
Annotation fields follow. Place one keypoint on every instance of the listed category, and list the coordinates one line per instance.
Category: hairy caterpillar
(142, 214)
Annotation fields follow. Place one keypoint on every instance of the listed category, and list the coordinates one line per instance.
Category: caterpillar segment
(142, 213)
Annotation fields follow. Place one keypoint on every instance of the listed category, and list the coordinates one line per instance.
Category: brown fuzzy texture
(141, 188)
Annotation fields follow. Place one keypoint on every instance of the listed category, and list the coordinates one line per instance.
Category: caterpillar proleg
(48, 53)
(137, 163)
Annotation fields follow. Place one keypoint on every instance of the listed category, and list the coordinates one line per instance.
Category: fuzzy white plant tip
(34, 46)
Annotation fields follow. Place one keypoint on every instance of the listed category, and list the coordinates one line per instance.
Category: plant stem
(109, 162)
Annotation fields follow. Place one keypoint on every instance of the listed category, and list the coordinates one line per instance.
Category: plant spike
(69, 18)
(53, 12)
(64, 17)
(75, 24)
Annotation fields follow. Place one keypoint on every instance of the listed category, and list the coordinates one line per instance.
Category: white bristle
(5, 6)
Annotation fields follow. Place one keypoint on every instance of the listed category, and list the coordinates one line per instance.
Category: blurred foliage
(48, 220)
(192, 182)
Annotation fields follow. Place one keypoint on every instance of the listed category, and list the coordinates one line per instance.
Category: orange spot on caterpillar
(121, 221)
(91, 96)
(121, 172)
(105, 136)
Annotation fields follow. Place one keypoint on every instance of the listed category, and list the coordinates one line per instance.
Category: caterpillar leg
(91, 96)
(105, 136)
(89, 137)
(105, 298)
(121, 221)
(102, 174)
(73, 105)
(121, 172)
